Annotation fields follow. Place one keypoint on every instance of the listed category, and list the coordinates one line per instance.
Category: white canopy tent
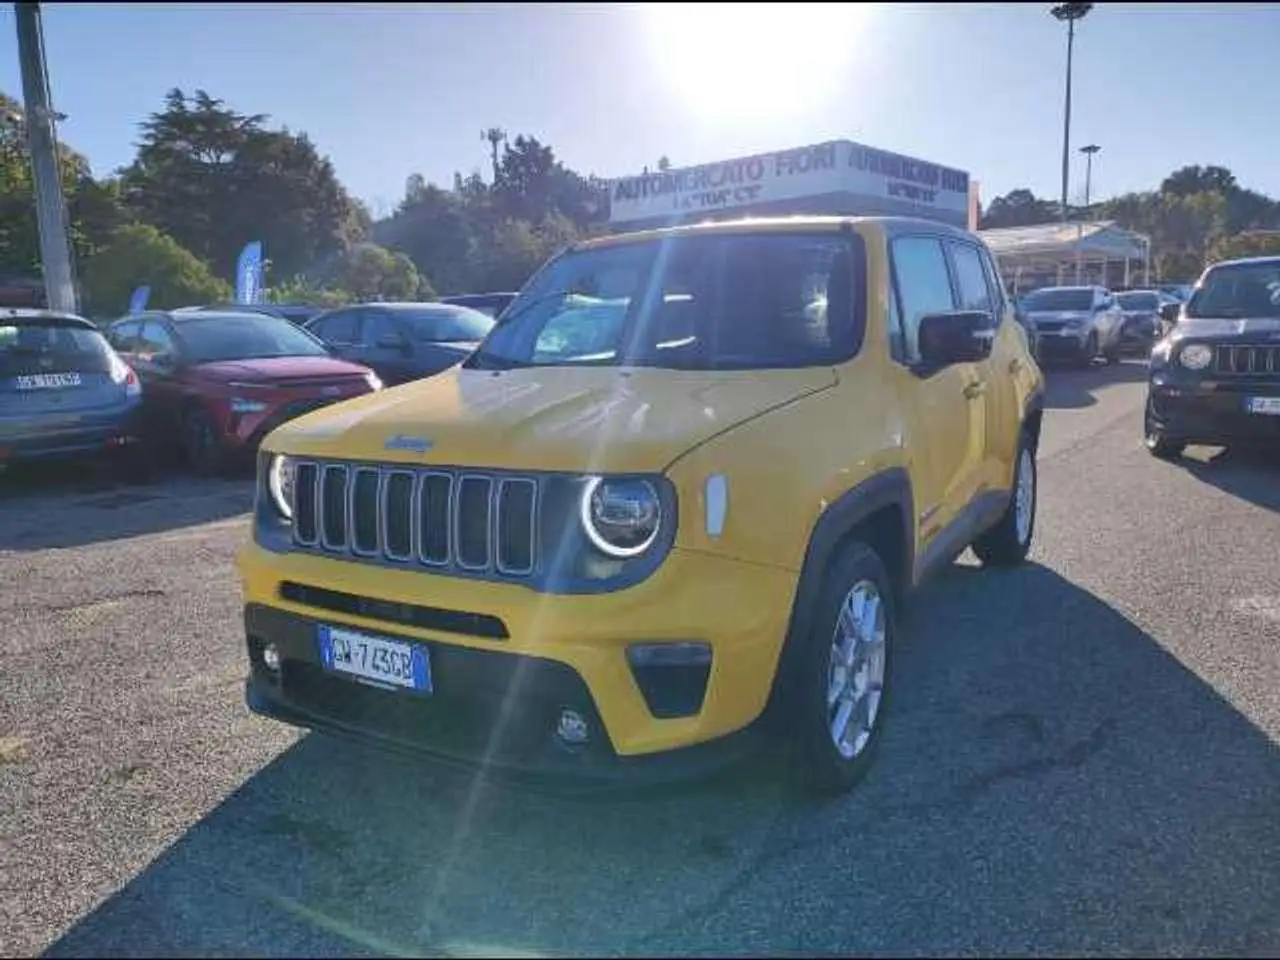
(1058, 253)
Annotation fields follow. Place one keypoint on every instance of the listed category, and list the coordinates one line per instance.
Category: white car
(1075, 323)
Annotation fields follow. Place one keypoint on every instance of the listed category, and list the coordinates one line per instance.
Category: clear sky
(391, 89)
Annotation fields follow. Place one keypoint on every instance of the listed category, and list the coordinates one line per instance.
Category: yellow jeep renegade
(682, 486)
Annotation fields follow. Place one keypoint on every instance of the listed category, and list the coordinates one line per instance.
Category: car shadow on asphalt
(1052, 781)
(53, 506)
(1252, 475)
(1068, 389)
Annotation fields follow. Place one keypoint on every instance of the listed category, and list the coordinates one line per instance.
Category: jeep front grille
(463, 520)
(1247, 360)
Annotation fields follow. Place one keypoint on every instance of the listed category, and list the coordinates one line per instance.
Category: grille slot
(333, 507)
(465, 521)
(473, 522)
(365, 525)
(1247, 360)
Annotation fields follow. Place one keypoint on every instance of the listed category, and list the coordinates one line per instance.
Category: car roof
(1076, 287)
(188, 314)
(794, 224)
(1241, 262)
(31, 313)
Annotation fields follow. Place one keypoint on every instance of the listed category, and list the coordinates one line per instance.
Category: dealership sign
(887, 181)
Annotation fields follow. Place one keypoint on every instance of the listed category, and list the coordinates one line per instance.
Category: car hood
(276, 369)
(1058, 314)
(1210, 328)
(545, 418)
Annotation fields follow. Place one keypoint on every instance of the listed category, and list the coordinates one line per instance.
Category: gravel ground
(1082, 759)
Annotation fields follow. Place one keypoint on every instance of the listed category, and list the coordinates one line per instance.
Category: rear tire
(843, 671)
(201, 445)
(1009, 541)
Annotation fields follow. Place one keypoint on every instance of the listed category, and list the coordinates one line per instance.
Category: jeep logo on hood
(411, 444)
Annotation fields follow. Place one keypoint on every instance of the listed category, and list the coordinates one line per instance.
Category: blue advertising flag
(249, 273)
(138, 301)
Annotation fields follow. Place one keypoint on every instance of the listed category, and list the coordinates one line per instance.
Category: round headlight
(1195, 356)
(280, 483)
(621, 517)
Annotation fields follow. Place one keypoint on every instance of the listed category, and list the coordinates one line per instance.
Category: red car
(218, 382)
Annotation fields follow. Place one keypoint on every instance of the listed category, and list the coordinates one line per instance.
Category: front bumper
(498, 700)
(51, 439)
(1212, 412)
(1055, 345)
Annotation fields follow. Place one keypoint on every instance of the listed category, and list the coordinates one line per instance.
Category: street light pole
(42, 143)
(1070, 12)
(1088, 152)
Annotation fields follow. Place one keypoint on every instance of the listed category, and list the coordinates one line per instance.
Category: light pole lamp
(1088, 152)
(1069, 12)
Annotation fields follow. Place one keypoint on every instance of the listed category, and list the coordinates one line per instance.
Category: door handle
(974, 389)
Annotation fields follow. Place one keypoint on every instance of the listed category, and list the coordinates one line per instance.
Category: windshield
(1139, 300)
(447, 325)
(47, 346)
(1059, 298)
(1238, 290)
(704, 302)
(211, 338)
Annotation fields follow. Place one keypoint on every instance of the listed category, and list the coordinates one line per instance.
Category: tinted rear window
(38, 347)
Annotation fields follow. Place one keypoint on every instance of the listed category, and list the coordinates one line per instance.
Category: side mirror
(965, 336)
(1169, 312)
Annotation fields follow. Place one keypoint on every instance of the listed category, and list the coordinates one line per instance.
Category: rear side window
(971, 279)
(123, 335)
(338, 327)
(923, 286)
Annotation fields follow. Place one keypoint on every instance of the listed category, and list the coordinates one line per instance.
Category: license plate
(379, 660)
(48, 381)
(1264, 405)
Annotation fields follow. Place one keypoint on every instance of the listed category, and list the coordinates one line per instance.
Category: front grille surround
(1246, 360)
(454, 519)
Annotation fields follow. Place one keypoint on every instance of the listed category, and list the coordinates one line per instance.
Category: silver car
(1075, 323)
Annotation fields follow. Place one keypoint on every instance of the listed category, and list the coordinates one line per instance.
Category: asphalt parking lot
(1084, 755)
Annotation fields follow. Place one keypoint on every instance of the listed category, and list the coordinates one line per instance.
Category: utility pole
(46, 174)
(1088, 152)
(1070, 12)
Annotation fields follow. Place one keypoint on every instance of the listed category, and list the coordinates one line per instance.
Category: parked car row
(209, 382)
(1081, 323)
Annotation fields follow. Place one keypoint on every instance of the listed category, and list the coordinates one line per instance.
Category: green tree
(139, 254)
(1254, 243)
(1018, 208)
(93, 209)
(439, 231)
(215, 179)
(371, 272)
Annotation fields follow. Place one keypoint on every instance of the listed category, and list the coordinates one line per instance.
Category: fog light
(572, 728)
(271, 657)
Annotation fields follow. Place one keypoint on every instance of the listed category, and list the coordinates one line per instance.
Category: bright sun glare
(752, 61)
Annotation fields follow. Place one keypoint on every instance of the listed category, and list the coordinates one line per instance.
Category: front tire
(843, 672)
(1156, 440)
(1089, 351)
(1009, 541)
(201, 445)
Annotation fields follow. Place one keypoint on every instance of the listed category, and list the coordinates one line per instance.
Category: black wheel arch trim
(889, 488)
